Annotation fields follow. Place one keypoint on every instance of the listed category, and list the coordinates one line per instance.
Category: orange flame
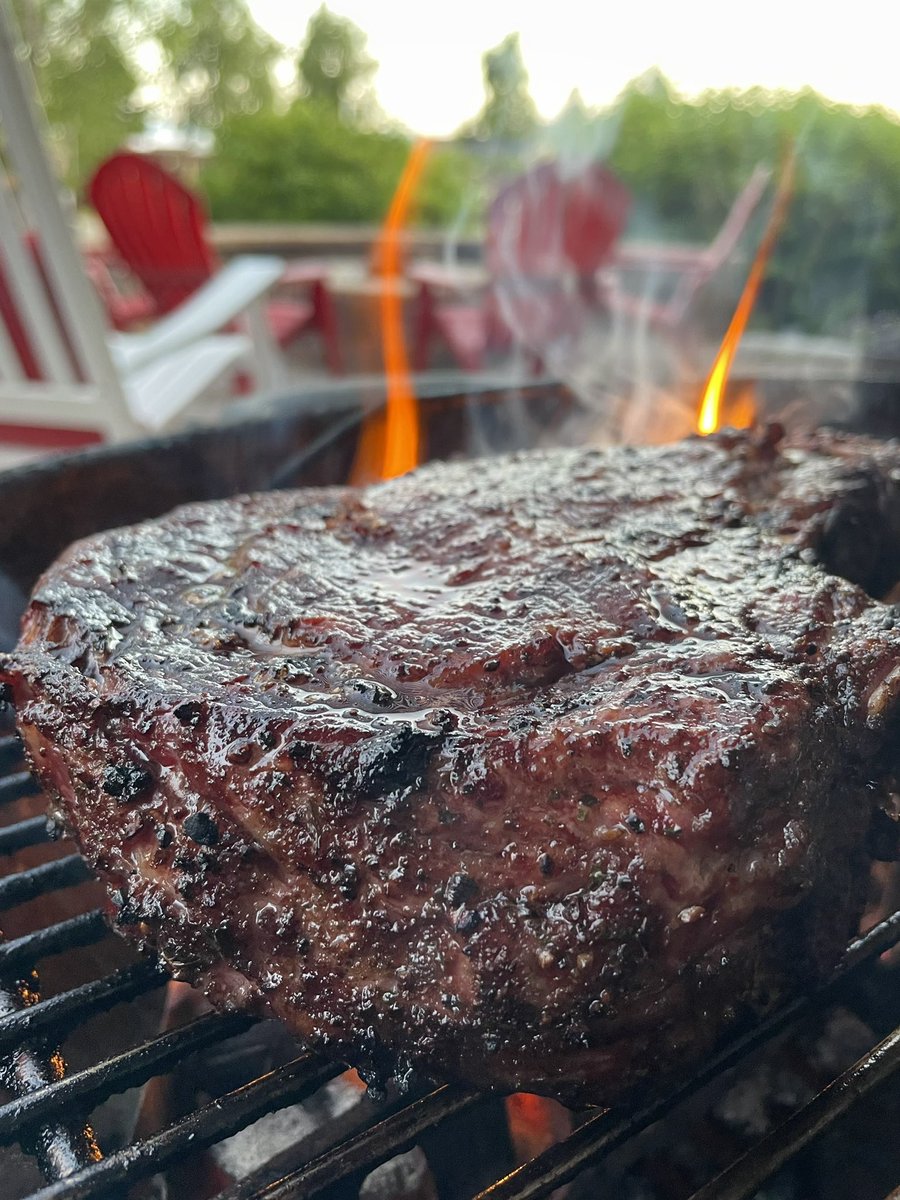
(709, 415)
(389, 443)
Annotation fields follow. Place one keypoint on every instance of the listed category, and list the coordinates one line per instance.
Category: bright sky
(429, 54)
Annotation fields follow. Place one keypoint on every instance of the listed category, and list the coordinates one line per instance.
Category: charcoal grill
(50, 915)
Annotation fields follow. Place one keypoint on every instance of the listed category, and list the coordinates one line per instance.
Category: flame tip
(709, 413)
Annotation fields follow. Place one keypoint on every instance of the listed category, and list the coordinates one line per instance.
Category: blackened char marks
(389, 763)
(125, 781)
(201, 828)
(394, 761)
(517, 766)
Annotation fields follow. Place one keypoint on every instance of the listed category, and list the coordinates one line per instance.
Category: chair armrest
(98, 268)
(456, 279)
(647, 256)
(303, 271)
(228, 294)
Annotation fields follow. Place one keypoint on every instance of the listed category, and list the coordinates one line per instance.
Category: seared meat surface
(539, 771)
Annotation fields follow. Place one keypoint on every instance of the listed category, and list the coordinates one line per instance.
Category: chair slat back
(156, 224)
(545, 225)
(10, 361)
(745, 204)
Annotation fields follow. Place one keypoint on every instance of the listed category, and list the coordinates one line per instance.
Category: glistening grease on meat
(539, 772)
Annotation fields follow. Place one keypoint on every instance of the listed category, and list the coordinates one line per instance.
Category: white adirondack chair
(117, 385)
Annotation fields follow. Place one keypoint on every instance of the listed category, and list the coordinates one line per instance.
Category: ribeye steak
(538, 771)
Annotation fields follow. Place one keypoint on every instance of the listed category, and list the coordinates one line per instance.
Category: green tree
(81, 54)
(308, 165)
(212, 62)
(686, 161)
(509, 114)
(217, 61)
(333, 65)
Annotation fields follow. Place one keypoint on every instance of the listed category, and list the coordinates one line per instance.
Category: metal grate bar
(219, 1119)
(31, 832)
(743, 1178)
(366, 1151)
(14, 787)
(38, 1115)
(61, 1147)
(875, 941)
(63, 1012)
(127, 1070)
(60, 873)
(83, 930)
(556, 1166)
(601, 1134)
(10, 750)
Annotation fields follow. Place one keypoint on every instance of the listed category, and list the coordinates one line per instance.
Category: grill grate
(39, 1116)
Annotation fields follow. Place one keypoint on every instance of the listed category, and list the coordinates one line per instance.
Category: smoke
(572, 312)
(559, 289)
(637, 345)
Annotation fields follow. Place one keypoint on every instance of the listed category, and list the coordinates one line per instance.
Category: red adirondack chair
(548, 235)
(159, 227)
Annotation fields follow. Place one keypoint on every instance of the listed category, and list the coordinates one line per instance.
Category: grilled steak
(540, 771)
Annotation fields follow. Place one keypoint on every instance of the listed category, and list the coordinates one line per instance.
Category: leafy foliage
(217, 61)
(835, 259)
(308, 165)
(685, 161)
(509, 114)
(81, 59)
(333, 65)
(212, 62)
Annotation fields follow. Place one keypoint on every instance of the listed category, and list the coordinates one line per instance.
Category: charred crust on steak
(460, 889)
(349, 881)
(467, 921)
(379, 695)
(883, 837)
(859, 538)
(389, 764)
(201, 828)
(126, 781)
(189, 713)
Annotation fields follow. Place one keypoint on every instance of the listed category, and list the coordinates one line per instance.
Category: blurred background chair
(548, 236)
(657, 283)
(126, 303)
(159, 229)
(64, 378)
